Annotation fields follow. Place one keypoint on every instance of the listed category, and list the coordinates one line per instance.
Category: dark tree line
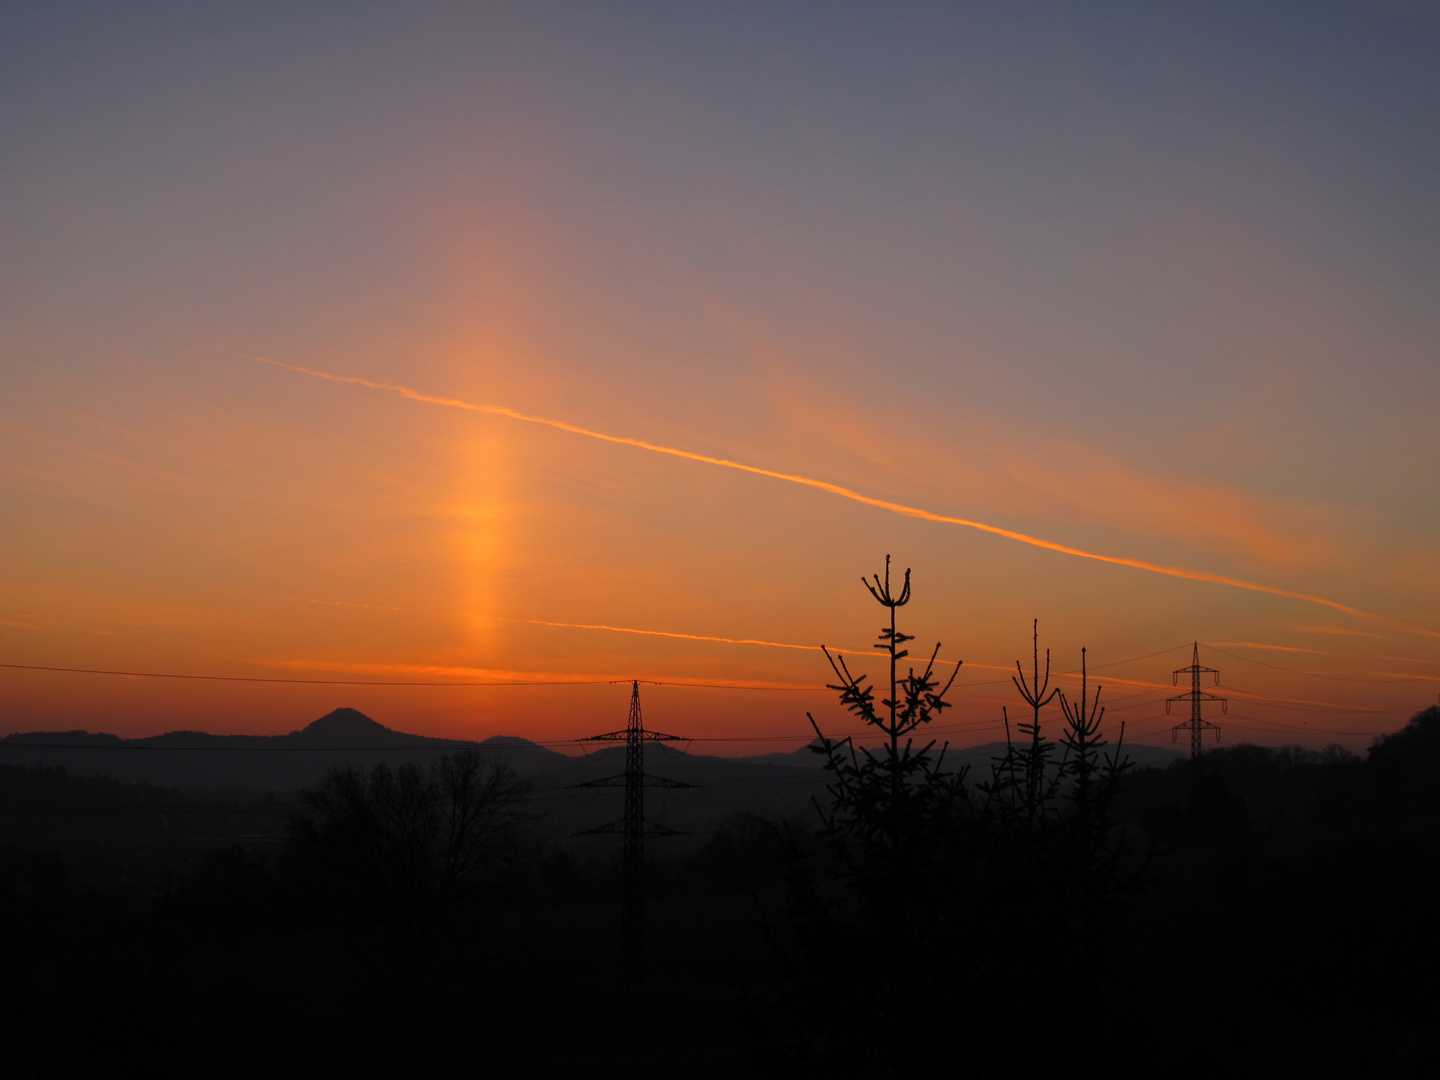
(933, 892)
(1065, 911)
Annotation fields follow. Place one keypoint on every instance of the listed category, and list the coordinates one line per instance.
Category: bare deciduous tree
(398, 848)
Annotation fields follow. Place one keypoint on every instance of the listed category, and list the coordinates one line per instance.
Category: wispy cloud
(506, 677)
(987, 463)
(729, 641)
(1338, 631)
(855, 496)
(1257, 645)
(671, 634)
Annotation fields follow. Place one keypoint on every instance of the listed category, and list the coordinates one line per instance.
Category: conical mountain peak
(344, 725)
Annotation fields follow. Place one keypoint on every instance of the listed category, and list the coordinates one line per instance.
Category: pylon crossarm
(650, 828)
(604, 781)
(653, 828)
(613, 827)
(645, 781)
(661, 782)
(624, 736)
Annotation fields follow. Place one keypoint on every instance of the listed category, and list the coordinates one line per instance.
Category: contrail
(1257, 645)
(672, 634)
(723, 640)
(848, 493)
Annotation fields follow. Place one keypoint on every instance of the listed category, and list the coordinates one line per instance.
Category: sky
(568, 344)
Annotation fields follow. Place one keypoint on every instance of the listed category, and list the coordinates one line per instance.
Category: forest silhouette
(1052, 907)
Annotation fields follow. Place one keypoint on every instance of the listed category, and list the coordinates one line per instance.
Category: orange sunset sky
(554, 344)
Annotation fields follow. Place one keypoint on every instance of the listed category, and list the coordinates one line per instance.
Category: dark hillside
(196, 760)
(1294, 890)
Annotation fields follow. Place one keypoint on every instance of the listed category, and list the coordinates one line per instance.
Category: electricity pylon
(634, 828)
(1196, 724)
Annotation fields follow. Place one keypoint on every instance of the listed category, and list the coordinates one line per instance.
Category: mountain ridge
(348, 737)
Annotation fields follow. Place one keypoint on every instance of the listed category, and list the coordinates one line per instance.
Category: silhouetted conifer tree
(888, 801)
(872, 923)
(1051, 870)
(1094, 856)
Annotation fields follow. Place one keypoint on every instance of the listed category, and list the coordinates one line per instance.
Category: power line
(1076, 671)
(1133, 659)
(308, 682)
(1302, 705)
(732, 686)
(1318, 675)
(403, 682)
(802, 738)
(499, 683)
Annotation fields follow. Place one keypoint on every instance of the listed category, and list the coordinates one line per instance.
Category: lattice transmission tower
(634, 828)
(1197, 724)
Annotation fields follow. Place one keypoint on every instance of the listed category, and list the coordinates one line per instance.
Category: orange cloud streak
(731, 641)
(672, 634)
(1257, 645)
(848, 493)
(494, 677)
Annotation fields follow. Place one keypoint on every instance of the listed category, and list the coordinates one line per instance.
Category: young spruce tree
(870, 971)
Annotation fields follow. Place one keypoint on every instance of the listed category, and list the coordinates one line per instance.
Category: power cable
(403, 682)
(1301, 704)
(1318, 675)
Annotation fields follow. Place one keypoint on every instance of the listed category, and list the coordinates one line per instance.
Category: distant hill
(567, 801)
(198, 760)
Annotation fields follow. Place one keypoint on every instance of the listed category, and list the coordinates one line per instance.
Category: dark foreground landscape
(1276, 913)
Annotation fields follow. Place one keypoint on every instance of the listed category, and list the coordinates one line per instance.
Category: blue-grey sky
(1152, 281)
